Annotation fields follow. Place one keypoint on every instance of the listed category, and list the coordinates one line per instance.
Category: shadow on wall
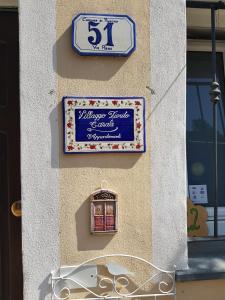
(45, 288)
(103, 160)
(70, 64)
(86, 241)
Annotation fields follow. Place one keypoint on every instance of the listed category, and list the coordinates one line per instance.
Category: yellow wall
(127, 174)
(201, 290)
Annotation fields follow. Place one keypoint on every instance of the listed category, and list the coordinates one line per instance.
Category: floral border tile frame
(71, 146)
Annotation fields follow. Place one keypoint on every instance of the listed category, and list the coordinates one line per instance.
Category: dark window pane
(199, 124)
(3, 74)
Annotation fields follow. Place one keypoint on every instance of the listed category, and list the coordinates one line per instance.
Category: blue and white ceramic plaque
(111, 35)
(104, 124)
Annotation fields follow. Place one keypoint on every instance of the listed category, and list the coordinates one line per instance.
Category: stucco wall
(152, 213)
(39, 146)
(168, 131)
(127, 174)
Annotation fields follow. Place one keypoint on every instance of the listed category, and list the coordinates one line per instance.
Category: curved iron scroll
(110, 280)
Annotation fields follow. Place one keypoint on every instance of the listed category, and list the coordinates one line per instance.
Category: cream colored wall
(8, 3)
(201, 290)
(127, 174)
(201, 18)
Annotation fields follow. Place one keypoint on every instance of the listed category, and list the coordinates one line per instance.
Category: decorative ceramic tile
(108, 35)
(104, 124)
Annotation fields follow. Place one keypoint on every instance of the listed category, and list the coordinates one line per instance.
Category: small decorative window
(103, 211)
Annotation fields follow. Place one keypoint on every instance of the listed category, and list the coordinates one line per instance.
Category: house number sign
(111, 35)
(104, 124)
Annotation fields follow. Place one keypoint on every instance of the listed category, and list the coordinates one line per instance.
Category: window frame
(203, 251)
(205, 46)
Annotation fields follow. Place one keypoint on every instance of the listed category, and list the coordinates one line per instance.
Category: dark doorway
(11, 279)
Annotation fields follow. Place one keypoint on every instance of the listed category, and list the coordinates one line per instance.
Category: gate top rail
(112, 276)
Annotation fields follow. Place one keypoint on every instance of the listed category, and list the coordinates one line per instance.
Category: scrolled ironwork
(62, 290)
(165, 284)
(163, 281)
(104, 279)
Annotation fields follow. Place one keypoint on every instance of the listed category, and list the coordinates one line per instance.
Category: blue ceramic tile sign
(104, 124)
(103, 34)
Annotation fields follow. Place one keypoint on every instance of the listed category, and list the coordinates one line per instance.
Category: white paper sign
(111, 35)
(198, 193)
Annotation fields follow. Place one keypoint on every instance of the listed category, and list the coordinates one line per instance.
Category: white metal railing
(95, 279)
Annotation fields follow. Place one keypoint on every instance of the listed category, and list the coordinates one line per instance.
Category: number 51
(92, 26)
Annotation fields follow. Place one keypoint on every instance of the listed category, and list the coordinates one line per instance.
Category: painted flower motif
(69, 125)
(92, 147)
(115, 146)
(70, 102)
(138, 125)
(92, 102)
(70, 148)
(138, 146)
(115, 102)
(137, 103)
